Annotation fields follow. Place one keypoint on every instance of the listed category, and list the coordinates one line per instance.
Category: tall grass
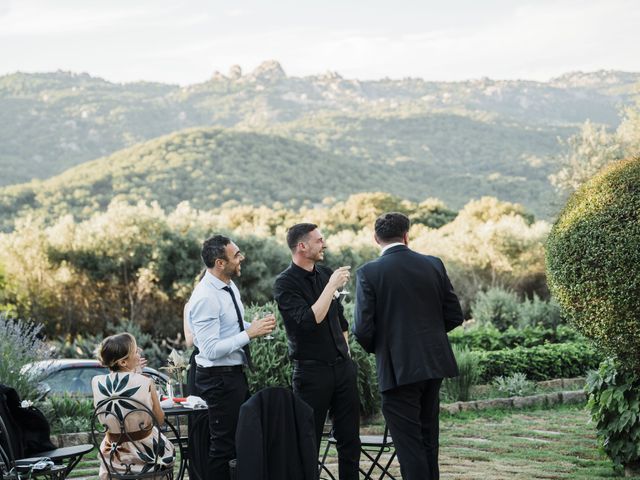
(459, 388)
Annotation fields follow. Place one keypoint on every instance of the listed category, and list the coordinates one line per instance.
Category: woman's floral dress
(137, 456)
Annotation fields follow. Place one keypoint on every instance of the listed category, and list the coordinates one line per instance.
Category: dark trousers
(333, 388)
(412, 413)
(224, 392)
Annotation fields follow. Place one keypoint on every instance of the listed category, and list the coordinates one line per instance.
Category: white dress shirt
(214, 323)
(387, 247)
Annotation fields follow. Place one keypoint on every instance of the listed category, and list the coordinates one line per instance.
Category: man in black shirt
(324, 375)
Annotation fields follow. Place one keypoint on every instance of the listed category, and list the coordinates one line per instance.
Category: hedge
(593, 260)
(542, 362)
(490, 338)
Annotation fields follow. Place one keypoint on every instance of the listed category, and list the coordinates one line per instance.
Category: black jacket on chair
(406, 327)
(28, 428)
(275, 438)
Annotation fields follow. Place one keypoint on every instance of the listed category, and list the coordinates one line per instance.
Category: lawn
(558, 443)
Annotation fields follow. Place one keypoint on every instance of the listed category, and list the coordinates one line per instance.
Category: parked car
(73, 376)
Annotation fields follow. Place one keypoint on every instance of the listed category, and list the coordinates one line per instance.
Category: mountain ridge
(53, 121)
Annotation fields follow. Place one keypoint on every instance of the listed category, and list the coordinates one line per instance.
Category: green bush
(459, 388)
(614, 402)
(593, 260)
(543, 362)
(68, 414)
(271, 364)
(272, 367)
(537, 312)
(497, 307)
(84, 346)
(515, 384)
(490, 338)
(367, 379)
(20, 344)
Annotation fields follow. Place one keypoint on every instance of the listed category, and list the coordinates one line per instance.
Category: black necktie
(247, 352)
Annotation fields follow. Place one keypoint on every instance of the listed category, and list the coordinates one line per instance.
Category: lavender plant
(20, 343)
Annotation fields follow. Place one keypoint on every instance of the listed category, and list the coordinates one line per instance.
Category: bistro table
(176, 416)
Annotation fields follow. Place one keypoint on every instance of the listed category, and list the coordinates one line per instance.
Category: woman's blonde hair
(115, 348)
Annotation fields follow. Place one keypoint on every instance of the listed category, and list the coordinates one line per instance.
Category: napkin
(193, 401)
(166, 403)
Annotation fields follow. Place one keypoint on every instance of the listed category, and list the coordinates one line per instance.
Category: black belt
(222, 369)
(302, 363)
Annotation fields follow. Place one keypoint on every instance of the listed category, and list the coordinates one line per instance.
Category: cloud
(162, 40)
(32, 19)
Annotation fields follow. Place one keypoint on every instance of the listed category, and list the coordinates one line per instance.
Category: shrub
(497, 307)
(614, 402)
(515, 384)
(20, 344)
(593, 260)
(84, 346)
(271, 364)
(458, 388)
(543, 362)
(538, 312)
(490, 338)
(272, 367)
(68, 414)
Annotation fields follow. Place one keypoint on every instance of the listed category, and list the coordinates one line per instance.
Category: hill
(415, 157)
(51, 122)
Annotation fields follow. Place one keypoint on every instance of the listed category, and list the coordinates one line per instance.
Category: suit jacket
(275, 438)
(28, 428)
(405, 305)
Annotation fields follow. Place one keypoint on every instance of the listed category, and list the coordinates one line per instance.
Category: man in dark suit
(405, 305)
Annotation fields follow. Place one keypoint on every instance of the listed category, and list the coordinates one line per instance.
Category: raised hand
(262, 326)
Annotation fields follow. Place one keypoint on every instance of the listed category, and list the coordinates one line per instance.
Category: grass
(557, 443)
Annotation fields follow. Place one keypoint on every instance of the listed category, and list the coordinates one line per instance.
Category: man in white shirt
(222, 337)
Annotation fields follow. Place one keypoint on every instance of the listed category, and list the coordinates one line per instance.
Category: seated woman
(135, 451)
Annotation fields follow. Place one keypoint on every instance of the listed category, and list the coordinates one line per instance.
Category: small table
(172, 416)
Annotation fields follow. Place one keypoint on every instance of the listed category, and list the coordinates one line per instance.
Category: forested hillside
(209, 167)
(289, 139)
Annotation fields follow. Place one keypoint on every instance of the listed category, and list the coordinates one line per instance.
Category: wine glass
(261, 313)
(343, 290)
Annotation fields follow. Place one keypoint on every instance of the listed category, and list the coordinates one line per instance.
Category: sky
(186, 41)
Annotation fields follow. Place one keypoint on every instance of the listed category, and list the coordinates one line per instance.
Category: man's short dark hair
(392, 226)
(214, 248)
(299, 232)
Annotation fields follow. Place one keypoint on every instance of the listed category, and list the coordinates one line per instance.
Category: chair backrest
(124, 420)
(275, 437)
(7, 460)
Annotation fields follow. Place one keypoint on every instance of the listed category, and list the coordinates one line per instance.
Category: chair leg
(375, 463)
(385, 472)
(322, 466)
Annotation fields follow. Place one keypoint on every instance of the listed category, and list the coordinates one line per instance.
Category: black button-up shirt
(296, 290)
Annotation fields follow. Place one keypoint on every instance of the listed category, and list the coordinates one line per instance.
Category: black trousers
(333, 388)
(412, 413)
(224, 392)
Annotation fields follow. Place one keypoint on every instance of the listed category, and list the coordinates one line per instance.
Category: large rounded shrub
(593, 261)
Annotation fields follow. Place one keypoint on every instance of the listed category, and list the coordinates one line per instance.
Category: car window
(76, 381)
